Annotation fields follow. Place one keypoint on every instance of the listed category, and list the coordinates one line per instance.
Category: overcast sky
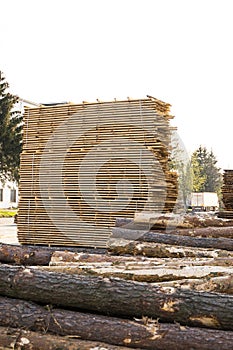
(179, 51)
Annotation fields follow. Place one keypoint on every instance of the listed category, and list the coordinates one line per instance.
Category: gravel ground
(8, 231)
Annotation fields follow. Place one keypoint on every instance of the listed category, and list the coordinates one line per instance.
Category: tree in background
(10, 133)
(206, 174)
(180, 162)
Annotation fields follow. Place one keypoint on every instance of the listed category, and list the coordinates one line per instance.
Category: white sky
(180, 51)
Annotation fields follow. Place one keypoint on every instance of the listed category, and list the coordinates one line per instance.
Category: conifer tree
(10, 133)
(206, 175)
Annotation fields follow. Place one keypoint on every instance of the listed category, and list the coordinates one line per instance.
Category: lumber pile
(136, 294)
(227, 195)
(84, 165)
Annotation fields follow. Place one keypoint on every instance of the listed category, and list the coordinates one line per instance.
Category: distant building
(19, 106)
(9, 189)
(8, 195)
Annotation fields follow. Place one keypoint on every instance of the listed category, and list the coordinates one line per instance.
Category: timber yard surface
(8, 231)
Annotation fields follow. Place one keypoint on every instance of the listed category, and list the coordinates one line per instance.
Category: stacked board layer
(84, 165)
(227, 195)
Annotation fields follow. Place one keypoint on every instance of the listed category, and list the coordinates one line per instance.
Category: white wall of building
(8, 195)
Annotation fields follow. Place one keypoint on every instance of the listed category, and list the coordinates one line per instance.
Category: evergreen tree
(206, 174)
(10, 133)
(180, 162)
(198, 173)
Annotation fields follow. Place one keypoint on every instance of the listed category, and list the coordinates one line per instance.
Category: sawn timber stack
(84, 165)
(227, 195)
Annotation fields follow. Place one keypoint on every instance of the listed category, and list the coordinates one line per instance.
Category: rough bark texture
(160, 250)
(203, 242)
(22, 314)
(144, 333)
(118, 297)
(144, 273)
(185, 222)
(198, 272)
(19, 339)
(37, 255)
(24, 255)
(222, 284)
(215, 232)
(66, 258)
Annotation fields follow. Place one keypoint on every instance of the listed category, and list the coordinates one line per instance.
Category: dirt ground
(8, 231)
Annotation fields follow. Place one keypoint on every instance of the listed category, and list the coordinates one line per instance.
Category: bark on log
(58, 258)
(44, 256)
(145, 333)
(146, 273)
(201, 242)
(214, 232)
(160, 250)
(118, 297)
(183, 222)
(36, 255)
(223, 284)
(66, 258)
(28, 315)
(19, 339)
(24, 255)
(151, 269)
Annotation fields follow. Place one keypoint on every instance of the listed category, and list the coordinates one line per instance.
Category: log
(142, 333)
(177, 222)
(20, 339)
(44, 255)
(36, 255)
(160, 250)
(117, 297)
(222, 284)
(150, 269)
(144, 273)
(24, 255)
(65, 258)
(214, 232)
(28, 315)
(187, 241)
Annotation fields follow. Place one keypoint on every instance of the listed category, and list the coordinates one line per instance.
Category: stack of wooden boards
(227, 195)
(84, 165)
(142, 294)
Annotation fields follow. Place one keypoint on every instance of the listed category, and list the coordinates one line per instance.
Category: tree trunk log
(187, 241)
(214, 232)
(37, 255)
(202, 242)
(182, 222)
(145, 333)
(27, 315)
(150, 269)
(18, 339)
(223, 284)
(66, 258)
(24, 255)
(145, 273)
(42, 256)
(118, 297)
(160, 250)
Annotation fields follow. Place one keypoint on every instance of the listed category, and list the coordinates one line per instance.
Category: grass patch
(7, 213)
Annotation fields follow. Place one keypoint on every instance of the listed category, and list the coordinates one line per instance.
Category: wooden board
(84, 165)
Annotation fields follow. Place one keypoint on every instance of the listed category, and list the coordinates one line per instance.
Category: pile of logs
(227, 194)
(162, 291)
(76, 160)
